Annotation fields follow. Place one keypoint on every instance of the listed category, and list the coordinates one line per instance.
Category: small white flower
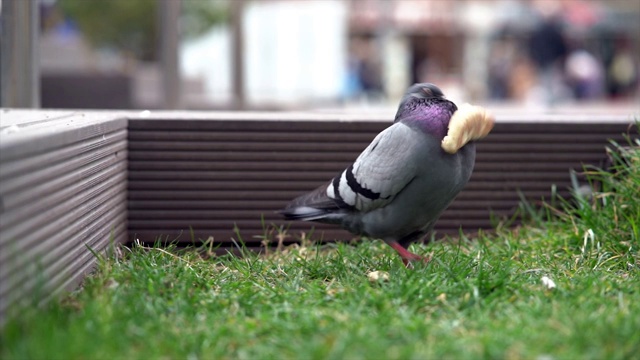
(548, 283)
(588, 236)
(378, 276)
(544, 357)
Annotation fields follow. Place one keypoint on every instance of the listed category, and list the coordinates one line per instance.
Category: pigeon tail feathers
(315, 206)
(305, 213)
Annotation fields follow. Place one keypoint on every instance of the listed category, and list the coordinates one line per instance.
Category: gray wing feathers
(383, 169)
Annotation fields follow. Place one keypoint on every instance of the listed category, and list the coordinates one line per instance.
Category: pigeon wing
(382, 171)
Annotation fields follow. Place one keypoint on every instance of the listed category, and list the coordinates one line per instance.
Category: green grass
(480, 298)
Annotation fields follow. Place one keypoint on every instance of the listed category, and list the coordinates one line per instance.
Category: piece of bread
(468, 123)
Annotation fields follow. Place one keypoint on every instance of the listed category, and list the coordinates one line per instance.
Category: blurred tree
(198, 16)
(127, 25)
(132, 25)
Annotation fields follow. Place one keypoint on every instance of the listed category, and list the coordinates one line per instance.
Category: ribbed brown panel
(211, 175)
(62, 188)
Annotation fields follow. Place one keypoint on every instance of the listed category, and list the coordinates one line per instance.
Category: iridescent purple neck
(429, 115)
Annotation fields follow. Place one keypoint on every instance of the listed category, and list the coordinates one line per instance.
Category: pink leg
(407, 256)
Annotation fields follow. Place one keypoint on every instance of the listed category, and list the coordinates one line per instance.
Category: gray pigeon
(401, 183)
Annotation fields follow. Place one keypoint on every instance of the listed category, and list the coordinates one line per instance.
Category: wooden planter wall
(63, 188)
(71, 180)
(194, 178)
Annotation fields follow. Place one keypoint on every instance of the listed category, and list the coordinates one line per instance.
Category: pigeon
(402, 182)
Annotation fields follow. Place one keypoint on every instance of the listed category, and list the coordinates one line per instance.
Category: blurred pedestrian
(623, 70)
(585, 75)
(548, 50)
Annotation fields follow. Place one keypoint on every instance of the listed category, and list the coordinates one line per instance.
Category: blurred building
(409, 41)
(467, 46)
(301, 53)
(294, 53)
(473, 49)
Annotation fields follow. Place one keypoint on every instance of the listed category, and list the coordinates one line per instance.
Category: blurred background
(335, 54)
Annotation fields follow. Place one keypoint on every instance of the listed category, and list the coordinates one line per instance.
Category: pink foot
(407, 256)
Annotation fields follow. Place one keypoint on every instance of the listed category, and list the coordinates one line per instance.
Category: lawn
(566, 285)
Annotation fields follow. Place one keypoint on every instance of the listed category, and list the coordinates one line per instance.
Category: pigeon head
(424, 106)
(422, 91)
